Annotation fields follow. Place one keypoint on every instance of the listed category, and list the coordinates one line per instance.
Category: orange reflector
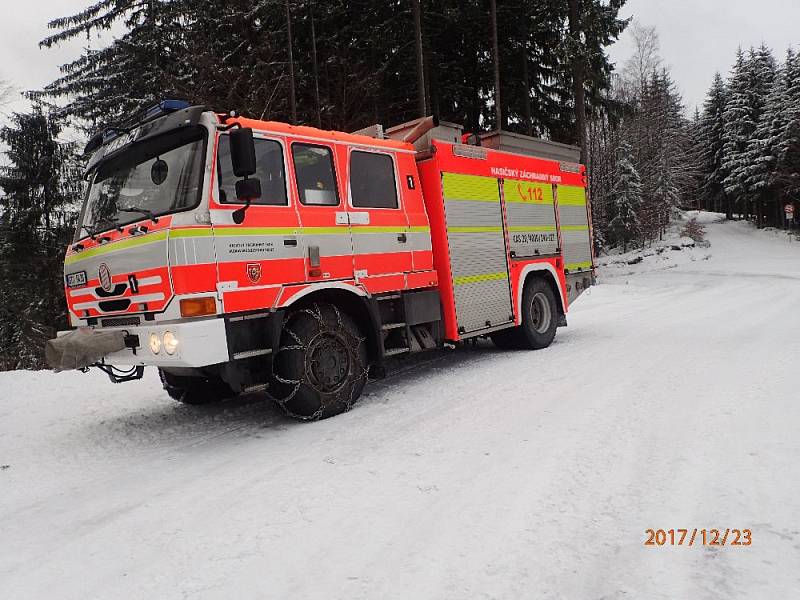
(198, 307)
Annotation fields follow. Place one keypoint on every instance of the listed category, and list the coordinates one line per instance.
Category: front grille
(120, 321)
(114, 305)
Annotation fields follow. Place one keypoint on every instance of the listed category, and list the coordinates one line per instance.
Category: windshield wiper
(93, 233)
(135, 209)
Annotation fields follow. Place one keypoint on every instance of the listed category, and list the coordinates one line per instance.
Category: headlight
(155, 343)
(170, 342)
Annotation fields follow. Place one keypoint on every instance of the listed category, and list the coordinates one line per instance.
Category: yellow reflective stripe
(580, 265)
(470, 187)
(126, 244)
(371, 229)
(517, 190)
(340, 230)
(229, 231)
(574, 228)
(525, 228)
(467, 279)
(191, 232)
(475, 230)
(571, 195)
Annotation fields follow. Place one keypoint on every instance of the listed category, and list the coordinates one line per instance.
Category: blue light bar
(164, 107)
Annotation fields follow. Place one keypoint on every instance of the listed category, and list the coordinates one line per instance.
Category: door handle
(402, 238)
(289, 242)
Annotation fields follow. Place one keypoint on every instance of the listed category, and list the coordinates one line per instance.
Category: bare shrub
(694, 230)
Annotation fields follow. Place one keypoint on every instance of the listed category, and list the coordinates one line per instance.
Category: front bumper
(200, 343)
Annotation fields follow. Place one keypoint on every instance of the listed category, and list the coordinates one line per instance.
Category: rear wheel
(539, 319)
(321, 366)
(195, 390)
(539, 315)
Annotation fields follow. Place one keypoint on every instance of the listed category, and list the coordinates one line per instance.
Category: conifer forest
(534, 68)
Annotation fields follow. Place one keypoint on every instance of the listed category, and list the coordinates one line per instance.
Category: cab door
(324, 227)
(382, 241)
(255, 258)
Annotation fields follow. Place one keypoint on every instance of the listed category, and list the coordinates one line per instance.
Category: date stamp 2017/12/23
(698, 537)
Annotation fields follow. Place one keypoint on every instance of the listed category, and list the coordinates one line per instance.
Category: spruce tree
(787, 169)
(712, 143)
(626, 199)
(41, 187)
(759, 160)
(146, 63)
(750, 83)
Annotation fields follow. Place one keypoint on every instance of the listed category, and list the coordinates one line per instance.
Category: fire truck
(240, 255)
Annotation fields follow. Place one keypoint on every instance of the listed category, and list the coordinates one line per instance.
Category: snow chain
(316, 313)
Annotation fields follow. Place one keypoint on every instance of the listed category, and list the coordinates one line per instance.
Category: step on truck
(238, 255)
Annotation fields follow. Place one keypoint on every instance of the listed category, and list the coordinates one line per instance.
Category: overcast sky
(698, 37)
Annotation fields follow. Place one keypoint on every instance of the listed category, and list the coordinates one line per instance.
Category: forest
(540, 69)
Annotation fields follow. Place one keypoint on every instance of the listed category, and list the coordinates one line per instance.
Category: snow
(670, 401)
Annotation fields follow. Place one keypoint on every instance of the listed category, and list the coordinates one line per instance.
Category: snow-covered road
(672, 400)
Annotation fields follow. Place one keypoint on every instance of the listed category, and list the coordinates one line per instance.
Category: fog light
(155, 343)
(170, 342)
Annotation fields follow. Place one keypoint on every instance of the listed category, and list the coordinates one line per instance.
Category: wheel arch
(359, 307)
(544, 271)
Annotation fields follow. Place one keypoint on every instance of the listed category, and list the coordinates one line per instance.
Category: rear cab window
(372, 180)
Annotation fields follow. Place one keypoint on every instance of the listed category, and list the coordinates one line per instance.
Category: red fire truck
(237, 255)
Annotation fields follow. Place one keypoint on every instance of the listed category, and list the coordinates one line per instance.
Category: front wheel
(321, 366)
(194, 390)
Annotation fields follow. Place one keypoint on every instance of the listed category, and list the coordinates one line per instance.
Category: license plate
(76, 279)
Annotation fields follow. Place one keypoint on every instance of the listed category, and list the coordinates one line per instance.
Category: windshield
(151, 178)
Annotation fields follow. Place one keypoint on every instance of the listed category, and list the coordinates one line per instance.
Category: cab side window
(316, 180)
(270, 170)
(372, 181)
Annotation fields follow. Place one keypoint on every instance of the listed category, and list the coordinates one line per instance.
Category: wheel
(320, 368)
(539, 320)
(194, 390)
(506, 339)
(539, 315)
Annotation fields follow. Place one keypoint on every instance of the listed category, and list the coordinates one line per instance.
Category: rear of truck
(502, 219)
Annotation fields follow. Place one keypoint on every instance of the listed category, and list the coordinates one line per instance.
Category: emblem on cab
(104, 274)
(254, 272)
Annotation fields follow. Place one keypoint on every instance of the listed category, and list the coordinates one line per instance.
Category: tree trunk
(496, 59)
(315, 67)
(422, 109)
(578, 76)
(759, 214)
(292, 104)
(526, 82)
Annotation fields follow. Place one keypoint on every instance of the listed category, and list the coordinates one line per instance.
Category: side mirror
(247, 190)
(243, 152)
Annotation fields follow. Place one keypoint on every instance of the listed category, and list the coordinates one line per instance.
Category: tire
(320, 368)
(195, 390)
(506, 339)
(539, 315)
(539, 319)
